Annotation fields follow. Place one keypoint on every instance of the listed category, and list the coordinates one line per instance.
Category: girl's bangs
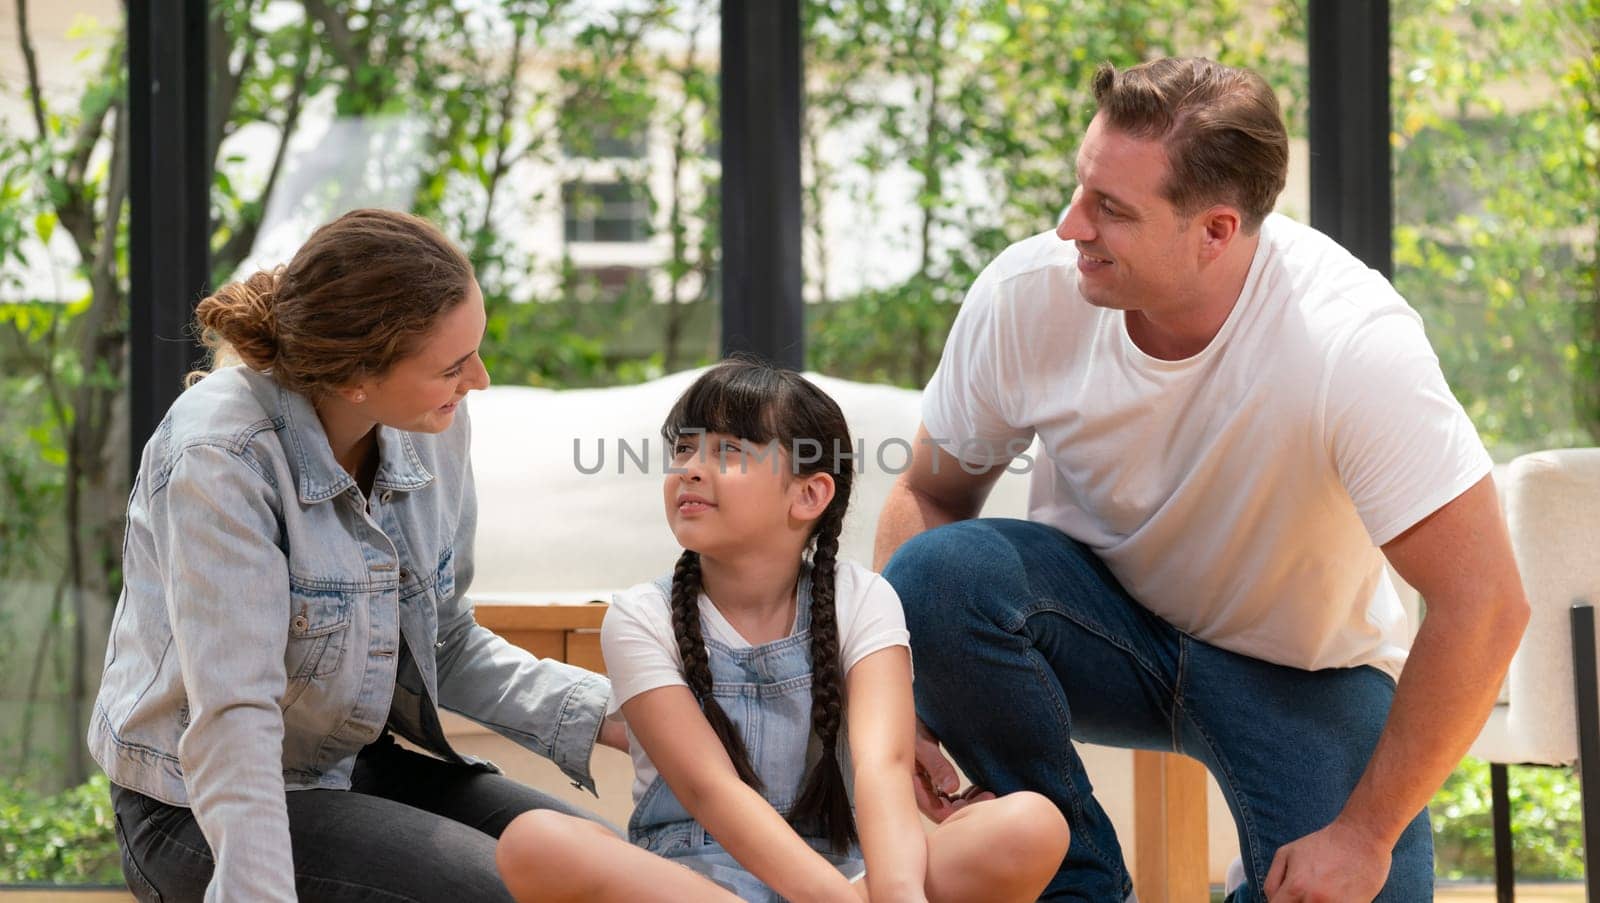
(739, 402)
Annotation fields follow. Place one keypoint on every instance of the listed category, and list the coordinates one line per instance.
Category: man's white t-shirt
(641, 651)
(1240, 494)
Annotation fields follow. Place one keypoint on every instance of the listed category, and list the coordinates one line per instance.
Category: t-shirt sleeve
(1403, 446)
(964, 405)
(870, 616)
(640, 650)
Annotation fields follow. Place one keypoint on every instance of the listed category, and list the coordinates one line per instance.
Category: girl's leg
(550, 857)
(1001, 849)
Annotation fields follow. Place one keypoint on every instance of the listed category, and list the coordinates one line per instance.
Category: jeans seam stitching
(1177, 693)
(356, 884)
(1050, 606)
(1246, 812)
(178, 842)
(1035, 658)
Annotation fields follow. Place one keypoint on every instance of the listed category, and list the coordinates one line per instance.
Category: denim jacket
(271, 617)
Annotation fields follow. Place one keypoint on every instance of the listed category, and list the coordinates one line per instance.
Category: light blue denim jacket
(257, 644)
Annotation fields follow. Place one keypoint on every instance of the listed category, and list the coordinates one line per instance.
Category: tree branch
(508, 97)
(116, 193)
(93, 124)
(225, 81)
(339, 35)
(244, 235)
(31, 63)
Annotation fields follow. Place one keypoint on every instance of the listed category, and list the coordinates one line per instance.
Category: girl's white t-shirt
(641, 651)
(1240, 494)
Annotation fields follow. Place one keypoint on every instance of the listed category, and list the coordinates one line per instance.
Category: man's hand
(1338, 864)
(936, 782)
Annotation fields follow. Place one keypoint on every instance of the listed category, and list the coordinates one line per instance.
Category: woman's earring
(360, 397)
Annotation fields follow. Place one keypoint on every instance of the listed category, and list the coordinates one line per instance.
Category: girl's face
(420, 392)
(725, 495)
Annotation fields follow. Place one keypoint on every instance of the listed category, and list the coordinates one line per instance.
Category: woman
(299, 544)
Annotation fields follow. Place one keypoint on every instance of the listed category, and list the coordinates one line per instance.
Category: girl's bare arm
(882, 734)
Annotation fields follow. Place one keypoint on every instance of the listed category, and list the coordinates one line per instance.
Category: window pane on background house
(605, 212)
(938, 132)
(63, 422)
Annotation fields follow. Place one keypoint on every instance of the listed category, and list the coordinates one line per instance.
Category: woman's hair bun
(241, 317)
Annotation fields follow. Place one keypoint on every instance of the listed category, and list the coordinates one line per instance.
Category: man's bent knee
(947, 567)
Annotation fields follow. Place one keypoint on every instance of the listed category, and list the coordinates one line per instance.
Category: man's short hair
(1221, 127)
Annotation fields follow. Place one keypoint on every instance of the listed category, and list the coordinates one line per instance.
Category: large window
(1496, 208)
(936, 133)
(63, 417)
(1497, 145)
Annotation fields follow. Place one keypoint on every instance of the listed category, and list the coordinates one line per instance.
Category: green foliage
(1546, 823)
(1497, 133)
(984, 101)
(891, 336)
(66, 838)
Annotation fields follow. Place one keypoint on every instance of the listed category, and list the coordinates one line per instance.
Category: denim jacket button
(387, 495)
(300, 623)
(404, 575)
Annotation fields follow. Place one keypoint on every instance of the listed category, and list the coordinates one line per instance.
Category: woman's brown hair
(763, 404)
(354, 300)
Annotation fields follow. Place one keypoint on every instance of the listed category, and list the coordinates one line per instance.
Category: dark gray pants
(411, 827)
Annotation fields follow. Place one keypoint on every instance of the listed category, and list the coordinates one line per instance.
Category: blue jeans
(1024, 641)
(410, 828)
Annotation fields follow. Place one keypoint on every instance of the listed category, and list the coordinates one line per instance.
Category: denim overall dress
(766, 691)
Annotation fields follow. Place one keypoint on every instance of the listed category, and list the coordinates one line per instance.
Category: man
(1236, 417)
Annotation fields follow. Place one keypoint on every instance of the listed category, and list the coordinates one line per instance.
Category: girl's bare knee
(534, 843)
(540, 855)
(1035, 827)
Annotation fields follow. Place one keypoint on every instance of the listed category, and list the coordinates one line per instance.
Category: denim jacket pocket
(319, 624)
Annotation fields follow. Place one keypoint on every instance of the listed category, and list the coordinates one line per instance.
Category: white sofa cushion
(549, 532)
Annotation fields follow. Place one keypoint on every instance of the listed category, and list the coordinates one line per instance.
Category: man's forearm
(905, 514)
(1443, 698)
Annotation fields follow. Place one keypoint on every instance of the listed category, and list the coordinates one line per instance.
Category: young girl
(756, 680)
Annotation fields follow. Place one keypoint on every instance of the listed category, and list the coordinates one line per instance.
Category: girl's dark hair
(355, 299)
(762, 404)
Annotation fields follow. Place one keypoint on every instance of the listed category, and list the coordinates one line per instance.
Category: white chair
(1549, 713)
